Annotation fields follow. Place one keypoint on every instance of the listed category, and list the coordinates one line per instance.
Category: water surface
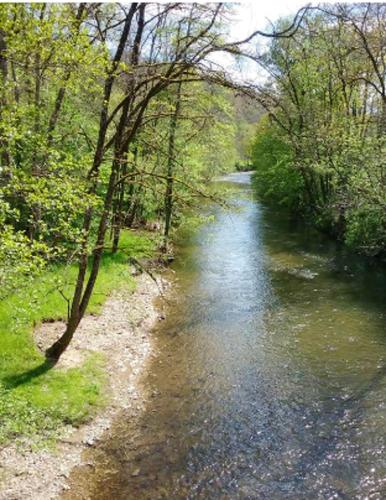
(270, 382)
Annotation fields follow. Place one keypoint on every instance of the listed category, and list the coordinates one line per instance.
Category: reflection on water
(270, 382)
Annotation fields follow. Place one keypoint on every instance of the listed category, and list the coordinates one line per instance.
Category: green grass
(36, 401)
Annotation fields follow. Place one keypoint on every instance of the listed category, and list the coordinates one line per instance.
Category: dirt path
(122, 333)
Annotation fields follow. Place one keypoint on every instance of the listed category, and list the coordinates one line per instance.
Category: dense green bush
(275, 177)
(366, 229)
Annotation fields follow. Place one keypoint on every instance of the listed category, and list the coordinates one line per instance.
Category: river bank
(122, 334)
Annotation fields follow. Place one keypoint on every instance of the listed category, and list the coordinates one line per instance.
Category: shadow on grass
(13, 381)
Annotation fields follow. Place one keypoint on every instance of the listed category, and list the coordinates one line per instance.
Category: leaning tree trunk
(83, 293)
(80, 302)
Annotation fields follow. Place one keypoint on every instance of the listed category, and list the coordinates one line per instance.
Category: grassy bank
(35, 402)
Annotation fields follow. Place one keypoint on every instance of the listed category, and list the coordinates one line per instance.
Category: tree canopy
(322, 146)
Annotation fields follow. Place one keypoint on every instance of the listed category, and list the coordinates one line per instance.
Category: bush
(366, 229)
(275, 177)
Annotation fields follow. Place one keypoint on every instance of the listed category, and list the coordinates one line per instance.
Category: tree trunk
(117, 216)
(4, 153)
(122, 149)
(168, 202)
(82, 295)
(62, 91)
(58, 348)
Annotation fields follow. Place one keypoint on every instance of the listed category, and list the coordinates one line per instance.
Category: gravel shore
(122, 332)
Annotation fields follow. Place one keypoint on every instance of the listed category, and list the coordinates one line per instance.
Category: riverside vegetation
(320, 149)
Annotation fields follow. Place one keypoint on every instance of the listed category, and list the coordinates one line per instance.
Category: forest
(116, 123)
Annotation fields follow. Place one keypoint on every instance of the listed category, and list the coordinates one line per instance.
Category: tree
(186, 43)
(326, 95)
(85, 115)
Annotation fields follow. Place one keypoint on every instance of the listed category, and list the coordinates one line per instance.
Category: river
(270, 380)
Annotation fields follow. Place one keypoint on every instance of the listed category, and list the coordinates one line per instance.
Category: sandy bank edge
(122, 332)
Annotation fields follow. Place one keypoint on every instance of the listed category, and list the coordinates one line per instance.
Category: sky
(249, 17)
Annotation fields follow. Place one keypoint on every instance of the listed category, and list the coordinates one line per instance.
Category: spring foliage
(322, 150)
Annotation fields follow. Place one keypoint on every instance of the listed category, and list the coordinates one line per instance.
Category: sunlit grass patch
(36, 400)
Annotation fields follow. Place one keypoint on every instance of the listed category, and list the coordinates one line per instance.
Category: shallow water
(271, 377)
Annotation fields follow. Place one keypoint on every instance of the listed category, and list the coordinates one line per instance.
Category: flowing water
(271, 377)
